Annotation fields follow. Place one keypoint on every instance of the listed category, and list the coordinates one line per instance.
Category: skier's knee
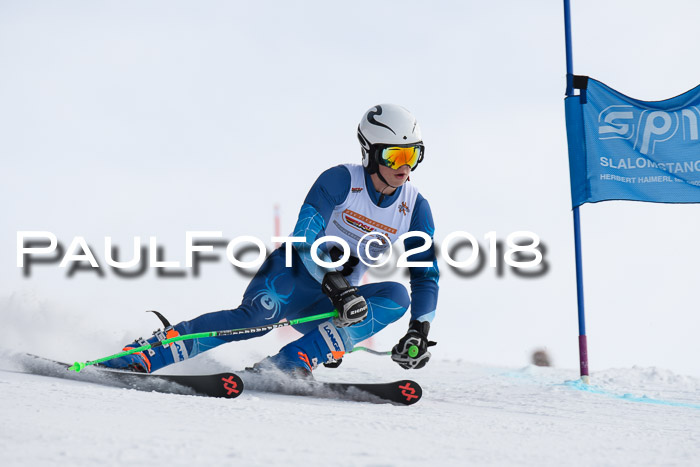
(392, 302)
(399, 295)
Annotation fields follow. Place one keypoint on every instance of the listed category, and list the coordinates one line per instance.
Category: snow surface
(469, 415)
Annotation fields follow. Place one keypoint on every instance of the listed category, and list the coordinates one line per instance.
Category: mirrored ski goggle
(397, 156)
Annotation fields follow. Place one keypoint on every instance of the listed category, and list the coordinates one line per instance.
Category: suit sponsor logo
(358, 225)
(267, 302)
(364, 224)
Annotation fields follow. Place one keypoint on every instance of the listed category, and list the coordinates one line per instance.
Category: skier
(373, 203)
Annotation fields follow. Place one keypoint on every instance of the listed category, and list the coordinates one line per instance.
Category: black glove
(351, 307)
(412, 350)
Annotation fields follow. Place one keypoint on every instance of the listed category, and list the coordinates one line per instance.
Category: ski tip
(231, 385)
(409, 392)
(77, 366)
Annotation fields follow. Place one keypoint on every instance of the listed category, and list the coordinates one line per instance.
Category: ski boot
(298, 359)
(150, 360)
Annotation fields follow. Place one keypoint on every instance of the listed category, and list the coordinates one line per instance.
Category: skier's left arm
(412, 349)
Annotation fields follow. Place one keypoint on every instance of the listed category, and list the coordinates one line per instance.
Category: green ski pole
(412, 351)
(372, 351)
(77, 366)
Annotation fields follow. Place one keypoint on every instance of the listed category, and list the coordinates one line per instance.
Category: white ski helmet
(384, 126)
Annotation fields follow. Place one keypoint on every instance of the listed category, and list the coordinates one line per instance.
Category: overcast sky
(128, 119)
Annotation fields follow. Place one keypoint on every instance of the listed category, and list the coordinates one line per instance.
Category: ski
(227, 385)
(403, 392)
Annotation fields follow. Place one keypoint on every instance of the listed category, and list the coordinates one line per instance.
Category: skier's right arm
(330, 189)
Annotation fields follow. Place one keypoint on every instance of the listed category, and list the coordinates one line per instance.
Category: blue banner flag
(626, 149)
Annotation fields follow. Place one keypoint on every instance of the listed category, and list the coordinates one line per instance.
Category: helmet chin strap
(381, 193)
(379, 174)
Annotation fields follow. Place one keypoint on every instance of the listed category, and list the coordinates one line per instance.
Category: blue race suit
(278, 292)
